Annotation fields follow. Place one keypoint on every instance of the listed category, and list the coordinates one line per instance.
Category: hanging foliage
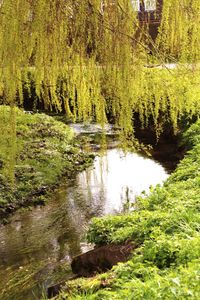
(91, 59)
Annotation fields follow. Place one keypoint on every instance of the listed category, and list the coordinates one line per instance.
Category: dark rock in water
(95, 261)
(101, 259)
(54, 290)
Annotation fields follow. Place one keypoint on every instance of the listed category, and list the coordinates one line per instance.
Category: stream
(37, 246)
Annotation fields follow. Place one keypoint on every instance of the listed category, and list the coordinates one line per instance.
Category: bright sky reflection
(117, 176)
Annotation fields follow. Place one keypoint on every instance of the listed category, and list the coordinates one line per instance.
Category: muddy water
(37, 246)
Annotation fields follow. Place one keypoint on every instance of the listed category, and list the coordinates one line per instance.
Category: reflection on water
(37, 246)
(117, 178)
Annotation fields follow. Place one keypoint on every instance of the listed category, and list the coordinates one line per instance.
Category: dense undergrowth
(165, 225)
(45, 150)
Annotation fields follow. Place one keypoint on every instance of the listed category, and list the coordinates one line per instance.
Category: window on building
(150, 5)
(136, 5)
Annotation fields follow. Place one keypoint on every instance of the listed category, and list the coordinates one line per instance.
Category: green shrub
(166, 226)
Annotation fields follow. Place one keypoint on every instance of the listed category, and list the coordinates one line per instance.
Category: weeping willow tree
(90, 58)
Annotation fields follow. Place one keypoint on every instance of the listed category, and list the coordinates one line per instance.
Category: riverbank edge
(165, 226)
(46, 151)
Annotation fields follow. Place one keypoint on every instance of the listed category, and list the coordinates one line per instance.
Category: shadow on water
(37, 246)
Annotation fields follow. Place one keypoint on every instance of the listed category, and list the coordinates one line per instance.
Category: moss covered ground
(166, 227)
(45, 150)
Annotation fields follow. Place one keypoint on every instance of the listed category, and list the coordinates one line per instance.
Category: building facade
(149, 12)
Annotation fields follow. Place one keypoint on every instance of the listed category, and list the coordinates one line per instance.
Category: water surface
(117, 178)
(37, 246)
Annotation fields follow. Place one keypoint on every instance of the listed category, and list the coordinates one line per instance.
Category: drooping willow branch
(91, 61)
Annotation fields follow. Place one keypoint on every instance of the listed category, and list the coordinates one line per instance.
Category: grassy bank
(165, 226)
(45, 150)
